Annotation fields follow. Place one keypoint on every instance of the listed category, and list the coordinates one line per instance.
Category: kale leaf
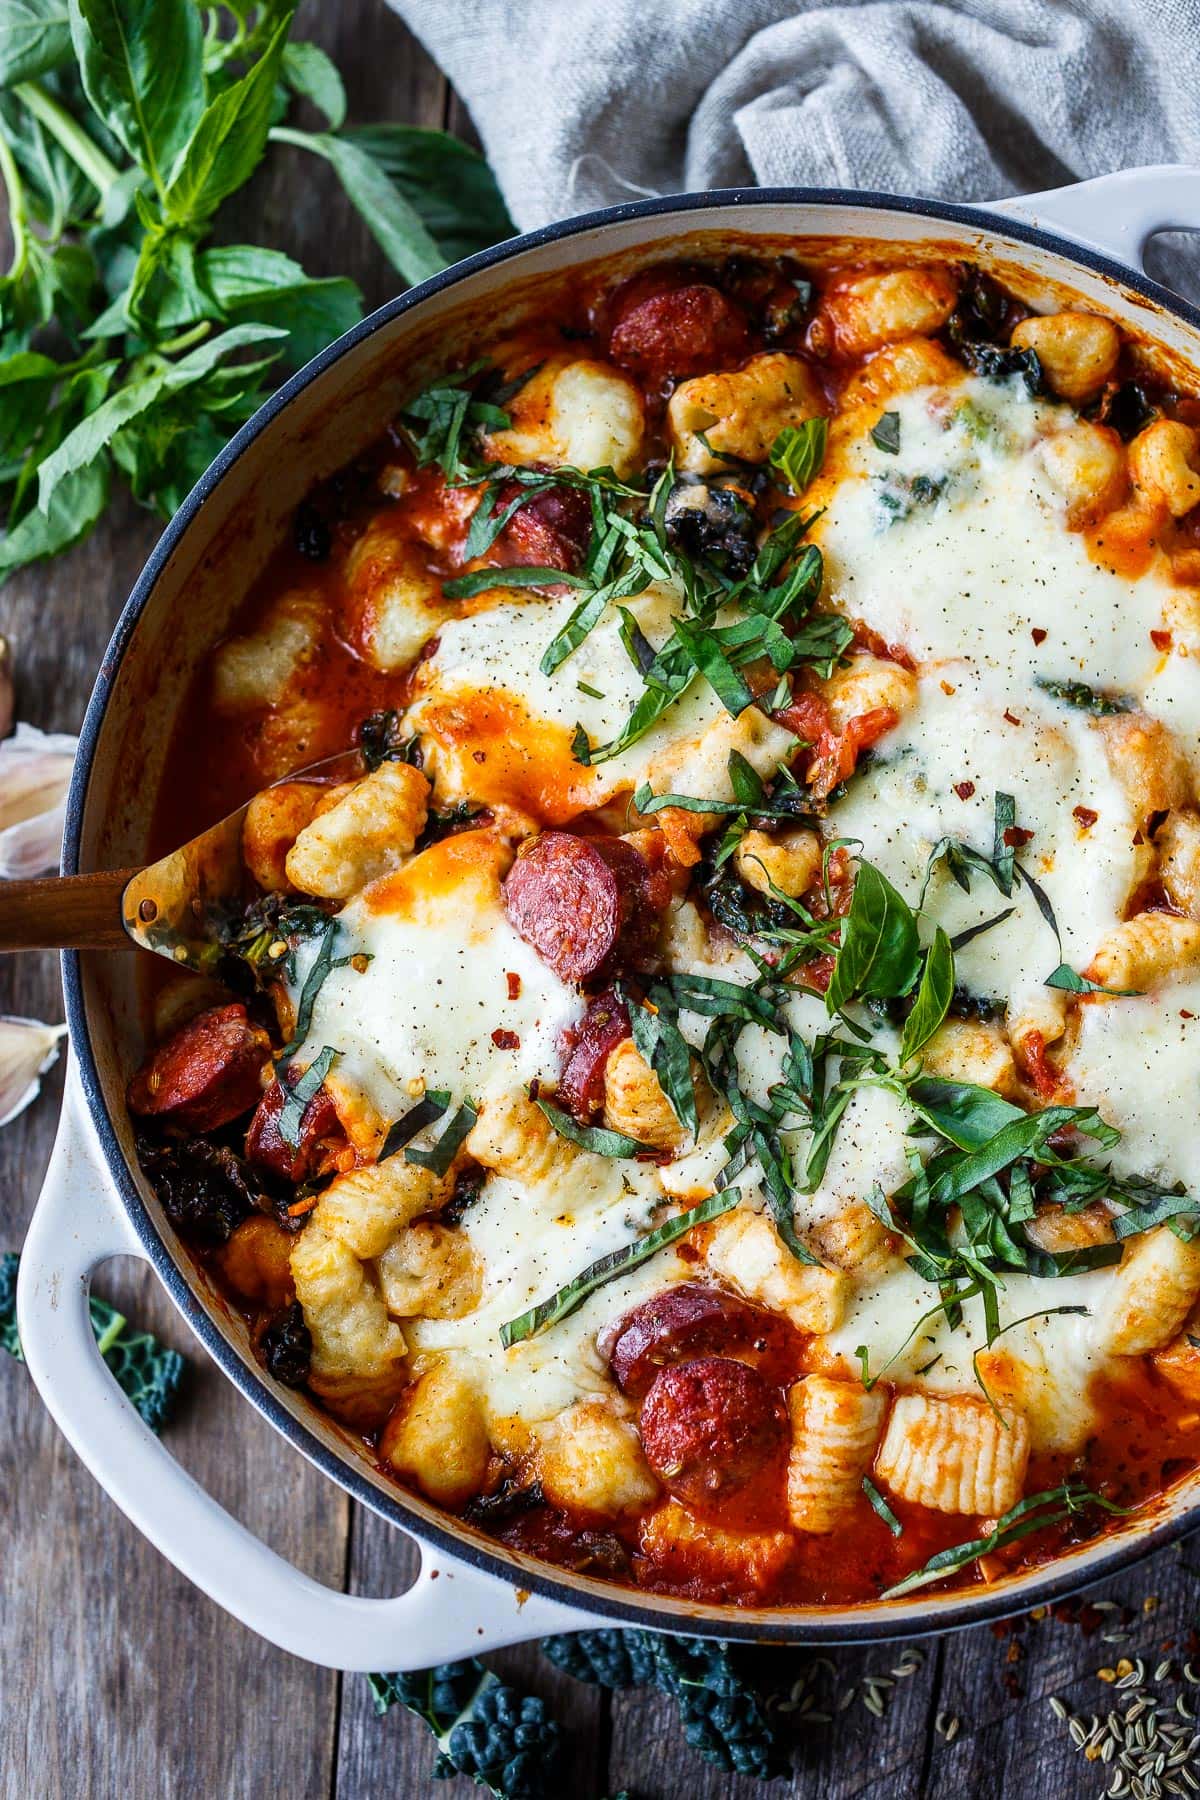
(723, 1714)
(146, 1372)
(502, 1739)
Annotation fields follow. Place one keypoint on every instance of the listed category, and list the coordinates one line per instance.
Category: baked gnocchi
(718, 1086)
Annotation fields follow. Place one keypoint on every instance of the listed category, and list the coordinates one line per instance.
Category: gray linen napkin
(584, 103)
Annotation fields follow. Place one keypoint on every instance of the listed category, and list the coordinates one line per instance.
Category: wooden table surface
(120, 1680)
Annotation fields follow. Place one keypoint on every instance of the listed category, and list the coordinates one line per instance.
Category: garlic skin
(27, 1049)
(35, 772)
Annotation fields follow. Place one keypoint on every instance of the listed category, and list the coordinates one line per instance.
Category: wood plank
(382, 1562)
(120, 1677)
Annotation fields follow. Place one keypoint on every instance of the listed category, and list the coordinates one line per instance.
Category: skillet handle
(451, 1610)
(1117, 213)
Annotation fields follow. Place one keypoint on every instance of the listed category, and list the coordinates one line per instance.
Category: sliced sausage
(581, 1084)
(267, 1149)
(206, 1074)
(693, 1319)
(668, 324)
(583, 903)
(551, 531)
(709, 1427)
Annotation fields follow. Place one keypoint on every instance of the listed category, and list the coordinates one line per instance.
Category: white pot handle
(1117, 213)
(450, 1611)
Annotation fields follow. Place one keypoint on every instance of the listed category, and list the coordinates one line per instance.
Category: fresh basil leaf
(670, 675)
(438, 1159)
(446, 181)
(962, 1172)
(799, 451)
(873, 1494)
(967, 1115)
(392, 220)
(310, 73)
(570, 1298)
(582, 620)
(76, 502)
(1004, 853)
(746, 782)
(1070, 982)
(886, 434)
(465, 587)
(1160, 1211)
(142, 66)
(879, 956)
(403, 1130)
(592, 1137)
(320, 967)
(662, 1045)
(708, 658)
(715, 999)
(35, 37)
(246, 280)
(89, 437)
(228, 142)
(934, 994)
(298, 1098)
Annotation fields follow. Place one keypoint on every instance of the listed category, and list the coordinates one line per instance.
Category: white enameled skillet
(472, 1594)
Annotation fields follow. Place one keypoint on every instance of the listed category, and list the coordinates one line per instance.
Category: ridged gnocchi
(746, 1249)
(1153, 1292)
(953, 1455)
(835, 1427)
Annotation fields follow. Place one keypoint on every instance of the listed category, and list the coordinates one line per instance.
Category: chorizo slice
(710, 1427)
(691, 1320)
(604, 1025)
(668, 324)
(551, 531)
(581, 902)
(266, 1147)
(206, 1074)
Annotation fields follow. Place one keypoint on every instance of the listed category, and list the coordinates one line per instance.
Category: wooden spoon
(175, 907)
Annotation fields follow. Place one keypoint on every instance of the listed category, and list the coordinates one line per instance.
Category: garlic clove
(35, 772)
(27, 1049)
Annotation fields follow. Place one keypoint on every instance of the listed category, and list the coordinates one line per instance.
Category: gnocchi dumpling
(954, 1455)
(835, 1427)
(746, 1250)
(575, 411)
(368, 833)
(714, 419)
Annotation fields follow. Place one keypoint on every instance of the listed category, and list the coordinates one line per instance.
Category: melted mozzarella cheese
(496, 653)
(530, 1249)
(981, 557)
(424, 1010)
(942, 768)
(1045, 1365)
(1138, 1060)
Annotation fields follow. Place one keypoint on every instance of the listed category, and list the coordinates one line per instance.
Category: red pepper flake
(300, 1207)
(506, 1040)
(964, 789)
(1084, 816)
(1012, 718)
(1162, 640)
(946, 688)
(1038, 635)
(479, 756)
(514, 984)
(1185, 1014)
(1016, 837)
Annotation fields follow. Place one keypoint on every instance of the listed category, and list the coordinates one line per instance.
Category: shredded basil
(934, 994)
(464, 587)
(886, 434)
(799, 451)
(1035, 1513)
(323, 963)
(298, 1098)
(592, 1137)
(879, 1503)
(438, 1159)
(570, 1298)
(403, 1130)
(1084, 698)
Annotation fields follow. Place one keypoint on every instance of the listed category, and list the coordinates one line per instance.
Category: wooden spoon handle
(65, 912)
